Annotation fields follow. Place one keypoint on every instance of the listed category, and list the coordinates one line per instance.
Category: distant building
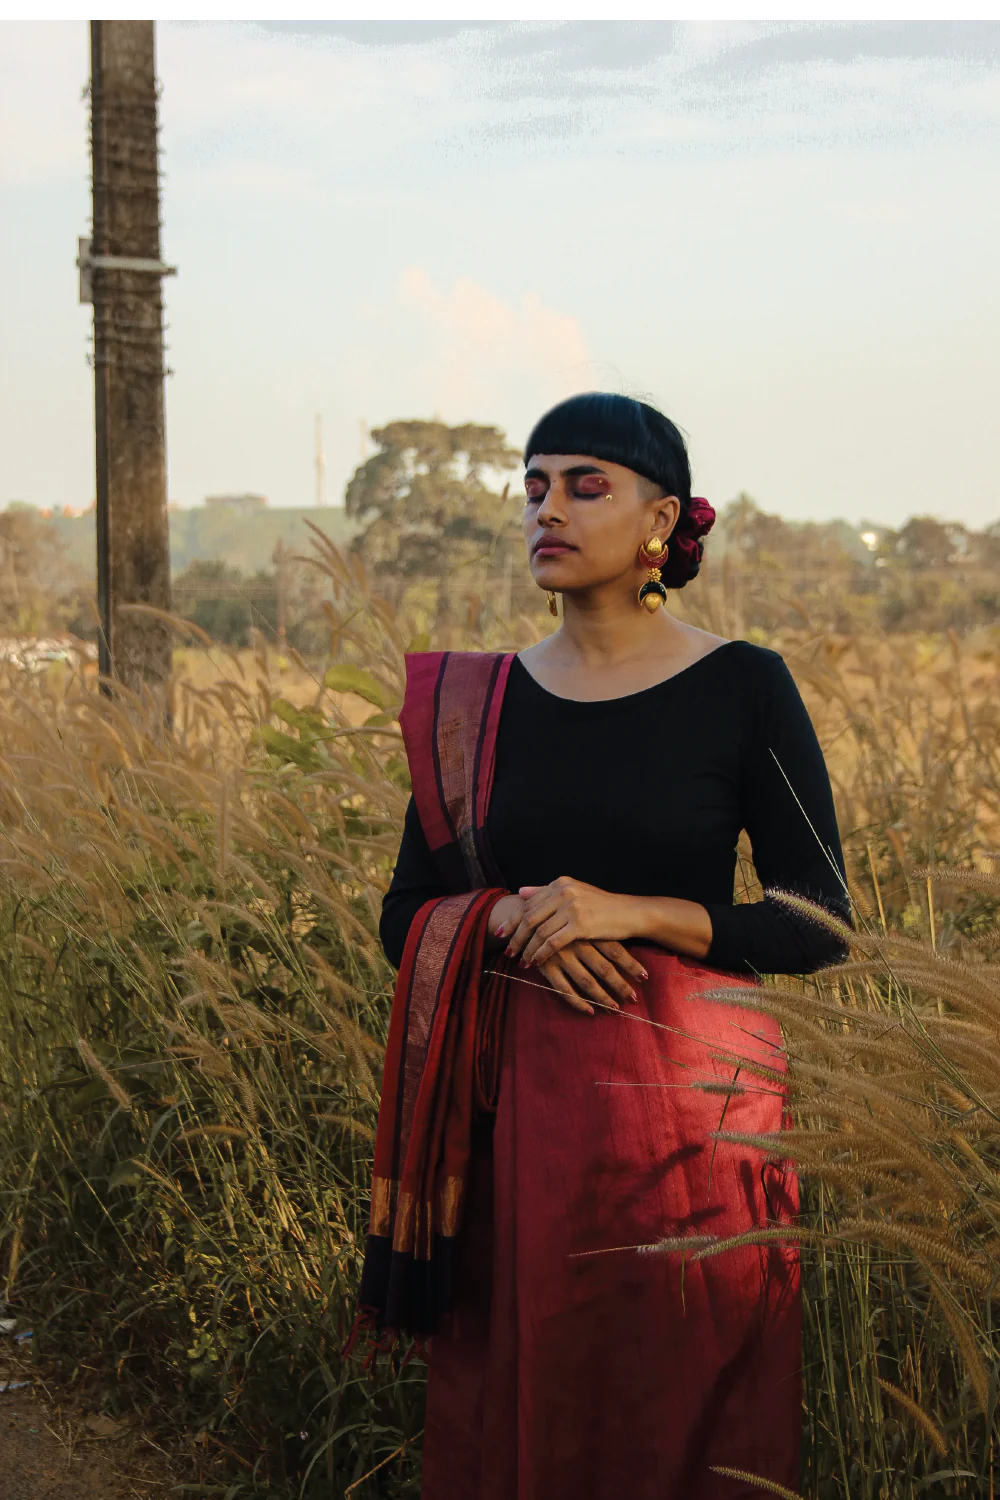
(245, 504)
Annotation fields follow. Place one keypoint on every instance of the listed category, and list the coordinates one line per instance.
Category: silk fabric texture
(530, 1160)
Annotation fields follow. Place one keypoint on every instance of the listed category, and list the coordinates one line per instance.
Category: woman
(556, 1078)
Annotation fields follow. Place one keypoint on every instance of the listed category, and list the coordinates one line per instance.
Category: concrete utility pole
(122, 270)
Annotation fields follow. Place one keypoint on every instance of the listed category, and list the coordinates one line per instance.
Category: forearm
(568, 911)
(683, 926)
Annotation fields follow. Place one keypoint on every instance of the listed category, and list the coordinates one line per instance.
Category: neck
(601, 630)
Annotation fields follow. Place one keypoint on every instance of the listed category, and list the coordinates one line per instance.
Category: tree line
(437, 517)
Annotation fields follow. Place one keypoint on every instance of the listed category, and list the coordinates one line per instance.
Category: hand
(568, 911)
(585, 972)
(504, 918)
(581, 971)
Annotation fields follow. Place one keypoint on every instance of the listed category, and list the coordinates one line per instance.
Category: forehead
(562, 463)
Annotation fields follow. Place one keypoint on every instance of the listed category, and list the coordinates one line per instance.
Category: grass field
(193, 1004)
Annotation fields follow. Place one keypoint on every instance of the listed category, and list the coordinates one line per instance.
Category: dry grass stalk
(203, 908)
(95, 1065)
(926, 1423)
(770, 1485)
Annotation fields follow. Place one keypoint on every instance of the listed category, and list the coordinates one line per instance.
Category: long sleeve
(790, 819)
(414, 881)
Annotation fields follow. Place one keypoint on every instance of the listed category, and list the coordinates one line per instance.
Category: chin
(554, 578)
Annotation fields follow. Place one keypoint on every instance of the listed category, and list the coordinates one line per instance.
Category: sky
(784, 234)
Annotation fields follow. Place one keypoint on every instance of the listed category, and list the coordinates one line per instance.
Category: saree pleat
(574, 1364)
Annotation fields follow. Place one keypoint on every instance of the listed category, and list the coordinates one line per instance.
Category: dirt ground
(50, 1449)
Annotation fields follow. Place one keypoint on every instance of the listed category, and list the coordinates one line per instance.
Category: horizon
(777, 231)
(865, 528)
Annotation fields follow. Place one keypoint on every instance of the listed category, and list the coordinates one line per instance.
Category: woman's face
(585, 520)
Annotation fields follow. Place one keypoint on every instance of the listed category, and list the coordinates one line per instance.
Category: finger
(622, 959)
(584, 982)
(547, 941)
(560, 983)
(521, 934)
(611, 977)
(530, 919)
(505, 915)
(518, 937)
(543, 904)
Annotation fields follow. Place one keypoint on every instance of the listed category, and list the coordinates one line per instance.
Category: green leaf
(126, 1174)
(287, 748)
(88, 1094)
(306, 720)
(288, 713)
(347, 679)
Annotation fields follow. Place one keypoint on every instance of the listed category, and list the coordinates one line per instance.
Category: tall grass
(894, 1086)
(192, 1009)
(193, 1004)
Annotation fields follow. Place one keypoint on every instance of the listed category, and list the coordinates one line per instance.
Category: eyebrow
(570, 473)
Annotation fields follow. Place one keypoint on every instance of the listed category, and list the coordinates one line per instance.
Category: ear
(666, 513)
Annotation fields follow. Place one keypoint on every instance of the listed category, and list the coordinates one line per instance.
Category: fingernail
(632, 995)
(508, 952)
(502, 930)
(643, 974)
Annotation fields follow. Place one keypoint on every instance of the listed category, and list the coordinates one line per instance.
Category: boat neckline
(628, 697)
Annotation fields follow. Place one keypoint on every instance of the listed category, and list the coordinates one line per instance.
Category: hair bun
(686, 545)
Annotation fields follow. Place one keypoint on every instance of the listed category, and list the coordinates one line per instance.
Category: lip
(548, 547)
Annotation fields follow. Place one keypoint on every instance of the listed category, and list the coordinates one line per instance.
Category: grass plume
(193, 1005)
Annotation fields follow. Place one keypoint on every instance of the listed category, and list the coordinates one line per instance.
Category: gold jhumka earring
(653, 554)
(551, 600)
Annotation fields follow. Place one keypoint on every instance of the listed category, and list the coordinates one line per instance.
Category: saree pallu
(528, 1157)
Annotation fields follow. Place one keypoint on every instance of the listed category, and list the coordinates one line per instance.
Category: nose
(552, 510)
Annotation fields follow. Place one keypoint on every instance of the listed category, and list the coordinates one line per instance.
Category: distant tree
(431, 500)
(751, 534)
(925, 542)
(39, 589)
(763, 540)
(224, 602)
(984, 547)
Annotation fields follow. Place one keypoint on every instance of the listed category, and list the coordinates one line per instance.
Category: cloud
(480, 353)
(351, 103)
(373, 33)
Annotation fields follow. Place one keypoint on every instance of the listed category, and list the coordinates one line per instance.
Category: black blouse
(646, 795)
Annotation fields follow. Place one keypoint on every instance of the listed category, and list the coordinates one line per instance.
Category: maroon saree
(527, 1156)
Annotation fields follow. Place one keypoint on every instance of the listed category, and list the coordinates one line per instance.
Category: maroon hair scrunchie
(686, 547)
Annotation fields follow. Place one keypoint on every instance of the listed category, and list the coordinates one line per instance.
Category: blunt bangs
(619, 430)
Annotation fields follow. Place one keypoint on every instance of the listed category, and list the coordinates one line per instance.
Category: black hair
(620, 430)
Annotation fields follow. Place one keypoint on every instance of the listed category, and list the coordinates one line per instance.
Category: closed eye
(586, 486)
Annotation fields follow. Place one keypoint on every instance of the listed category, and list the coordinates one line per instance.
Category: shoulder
(756, 666)
(424, 669)
(761, 688)
(435, 679)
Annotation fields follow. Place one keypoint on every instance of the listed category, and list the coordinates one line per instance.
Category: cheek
(605, 538)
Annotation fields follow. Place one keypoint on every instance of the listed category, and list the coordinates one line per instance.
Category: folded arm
(568, 911)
